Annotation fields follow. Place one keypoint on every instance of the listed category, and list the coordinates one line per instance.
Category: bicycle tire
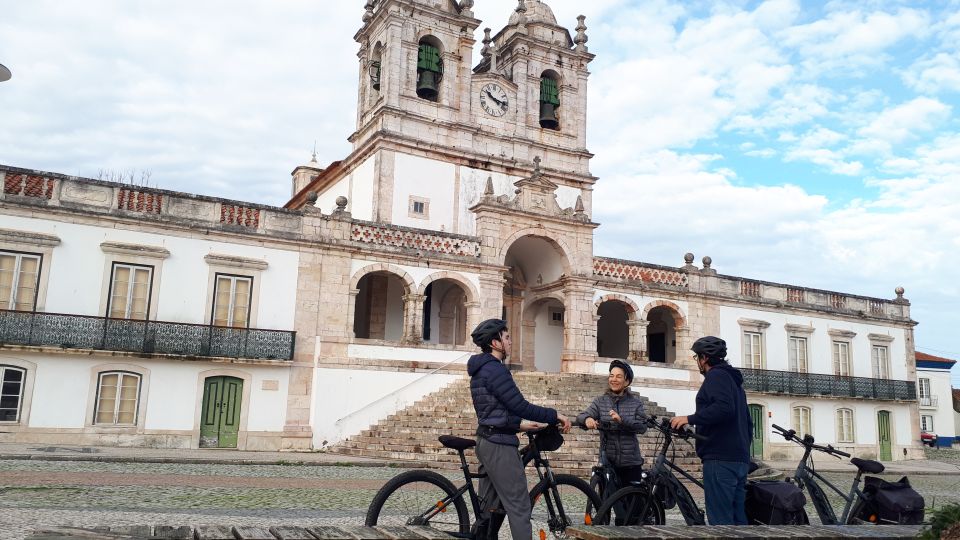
(408, 496)
(576, 500)
(632, 499)
(595, 481)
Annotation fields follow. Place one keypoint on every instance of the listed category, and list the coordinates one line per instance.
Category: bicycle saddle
(868, 465)
(457, 443)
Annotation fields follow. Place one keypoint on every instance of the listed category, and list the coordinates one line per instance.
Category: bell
(548, 116)
(427, 85)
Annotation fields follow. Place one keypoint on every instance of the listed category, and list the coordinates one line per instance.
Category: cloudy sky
(810, 143)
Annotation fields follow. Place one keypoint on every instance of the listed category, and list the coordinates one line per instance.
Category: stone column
(413, 318)
(637, 330)
(473, 319)
(579, 331)
(527, 344)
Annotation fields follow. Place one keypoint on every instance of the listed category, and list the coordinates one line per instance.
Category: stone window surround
(842, 336)
(247, 379)
(34, 243)
(853, 426)
(93, 394)
(124, 253)
(754, 326)
(880, 340)
(801, 405)
(551, 313)
(234, 266)
(418, 215)
(26, 398)
(799, 331)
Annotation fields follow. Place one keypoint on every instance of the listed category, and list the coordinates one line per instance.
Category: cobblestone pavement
(55, 493)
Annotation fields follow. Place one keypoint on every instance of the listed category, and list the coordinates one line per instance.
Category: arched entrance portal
(662, 335)
(445, 313)
(378, 313)
(534, 302)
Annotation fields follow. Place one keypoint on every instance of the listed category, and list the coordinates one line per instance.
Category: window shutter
(549, 92)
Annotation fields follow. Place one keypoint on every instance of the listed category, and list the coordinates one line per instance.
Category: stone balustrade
(636, 271)
(418, 239)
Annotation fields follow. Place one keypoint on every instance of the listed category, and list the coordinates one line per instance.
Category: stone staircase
(411, 434)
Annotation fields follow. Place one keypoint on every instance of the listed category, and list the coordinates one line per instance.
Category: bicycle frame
(806, 477)
(662, 474)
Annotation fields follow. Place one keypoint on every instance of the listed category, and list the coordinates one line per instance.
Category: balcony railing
(929, 401)
(149, 337)
(817, 384)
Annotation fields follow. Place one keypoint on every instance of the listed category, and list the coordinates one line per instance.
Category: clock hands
(500, 103)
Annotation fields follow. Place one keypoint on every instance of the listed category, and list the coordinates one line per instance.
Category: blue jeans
(725, 488)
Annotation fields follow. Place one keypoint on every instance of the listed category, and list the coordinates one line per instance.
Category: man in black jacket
(500, 407)
(723, 419)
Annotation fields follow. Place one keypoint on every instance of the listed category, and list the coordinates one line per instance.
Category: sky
(815, 144)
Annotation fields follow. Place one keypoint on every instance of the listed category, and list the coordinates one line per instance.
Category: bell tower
(415, 58)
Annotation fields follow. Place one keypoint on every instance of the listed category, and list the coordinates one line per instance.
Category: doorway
(220, 413)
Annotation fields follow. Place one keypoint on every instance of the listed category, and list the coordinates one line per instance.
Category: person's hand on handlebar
(678, 422)
(531, 426)
(566, 423)
(590, 423)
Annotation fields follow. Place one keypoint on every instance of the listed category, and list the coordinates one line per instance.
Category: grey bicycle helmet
(714, 348)
(487, 331)
(627, 370)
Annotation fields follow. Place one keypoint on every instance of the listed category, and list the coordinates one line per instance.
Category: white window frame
(924, 390)
(797, 419)
(749, 327)
(23, 383)
(129, 295)
(116, 404)
(33, 243)
(753, 350)
(15, 283)
(233, 297)
(796, 363)
(138, 255)
(224, 264)
(846, 430)
(926, 423)
(880, 360)
(840, 352)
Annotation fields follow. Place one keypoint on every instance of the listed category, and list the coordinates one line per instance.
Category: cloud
(934, 75)
(903, 123)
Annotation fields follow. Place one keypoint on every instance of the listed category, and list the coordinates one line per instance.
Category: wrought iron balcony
(149, 337)
(818, 384)
(929, 401)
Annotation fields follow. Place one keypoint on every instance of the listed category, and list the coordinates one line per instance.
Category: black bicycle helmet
(487, 331)
(712, 347)
(627, 370)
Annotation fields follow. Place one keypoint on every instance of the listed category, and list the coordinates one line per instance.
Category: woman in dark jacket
(623, 410)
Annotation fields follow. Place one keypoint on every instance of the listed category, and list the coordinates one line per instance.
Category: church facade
(467, 195)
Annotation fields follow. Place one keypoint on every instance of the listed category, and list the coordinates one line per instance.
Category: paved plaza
(47, 491)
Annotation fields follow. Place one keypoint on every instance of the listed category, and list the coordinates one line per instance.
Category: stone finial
(900, 299)
(688, 258)
(899, 291)
(487, 40)
(578, 208)
(707, 268)
(521, 6)
(539, 279)
(466, 8)
(342, 204)
(707, 261)
(368, 11)
(537, 173)
(488, 189)
(581, 39)
(312, 198)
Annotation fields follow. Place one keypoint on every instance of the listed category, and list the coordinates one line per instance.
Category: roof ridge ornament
(368, 11)
(581, 39)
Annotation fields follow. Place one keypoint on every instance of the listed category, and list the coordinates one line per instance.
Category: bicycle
(644, 504)
(424, 497)
(806, 478)
(604, 474)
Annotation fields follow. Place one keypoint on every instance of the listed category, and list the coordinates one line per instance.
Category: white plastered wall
(426, 179)
(357, 187)
(942, 413)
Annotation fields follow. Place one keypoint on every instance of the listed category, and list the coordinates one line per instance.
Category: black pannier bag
(773, 502)
(891, 502)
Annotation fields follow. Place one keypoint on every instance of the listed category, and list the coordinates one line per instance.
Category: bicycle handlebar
(808, 441)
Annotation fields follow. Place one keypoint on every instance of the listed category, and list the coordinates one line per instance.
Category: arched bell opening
(445, 313)
(374, 68)
(429, 68)
(549, 100)
(379, 308)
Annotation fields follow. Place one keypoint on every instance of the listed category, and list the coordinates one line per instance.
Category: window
(841, 358)
(845, 433)
(797, 354)
(881, 362)
(556, 316)
(752, 350)
(118, 394)
(924, 390)
(801, 420)
(19, 277)
(926, 423)
(418, 207)
(232, 301)
(130, 291)
(11, 393)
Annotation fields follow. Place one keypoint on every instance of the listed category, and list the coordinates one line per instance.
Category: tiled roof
(931, 358)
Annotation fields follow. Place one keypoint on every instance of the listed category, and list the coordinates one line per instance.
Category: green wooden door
(883, 434)
(756, 443)
(220, 414)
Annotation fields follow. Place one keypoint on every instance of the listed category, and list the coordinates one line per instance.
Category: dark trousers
(725, 488)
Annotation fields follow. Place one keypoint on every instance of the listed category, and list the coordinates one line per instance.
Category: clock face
(494, 99)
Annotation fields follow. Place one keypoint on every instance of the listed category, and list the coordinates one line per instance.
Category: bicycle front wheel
(626, 506)
(572, 504)
(419, 498)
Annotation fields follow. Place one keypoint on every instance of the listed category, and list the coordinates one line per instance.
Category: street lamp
(4, 73)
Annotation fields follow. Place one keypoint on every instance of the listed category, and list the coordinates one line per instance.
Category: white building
(935, 394)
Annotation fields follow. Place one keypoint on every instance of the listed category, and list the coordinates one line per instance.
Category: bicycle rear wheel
(625, 506)
(574, 507)
(415, 498)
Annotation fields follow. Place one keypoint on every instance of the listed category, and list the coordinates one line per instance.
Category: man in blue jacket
(500, 407)
(722, 417)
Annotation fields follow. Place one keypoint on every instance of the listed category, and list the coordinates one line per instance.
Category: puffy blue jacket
(722, 416)
(498, 401)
